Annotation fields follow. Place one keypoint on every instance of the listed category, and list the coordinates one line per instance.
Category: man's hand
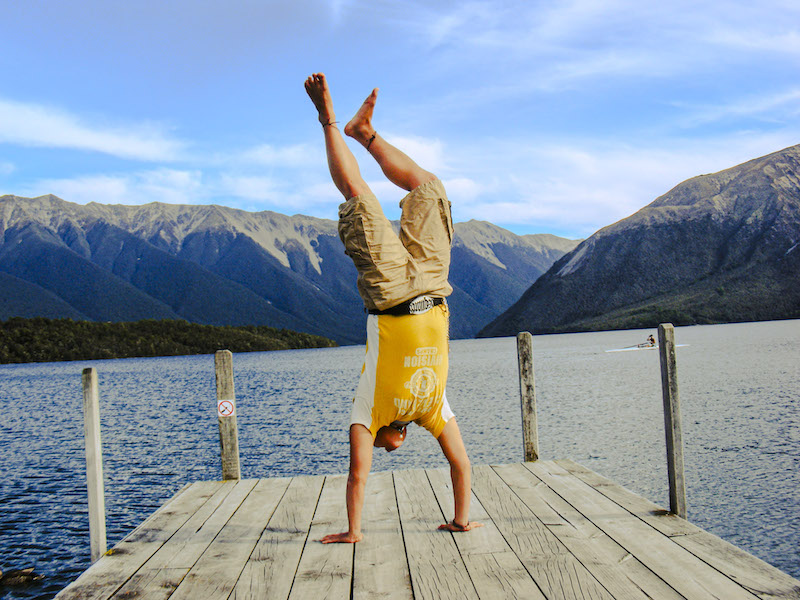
(342, 538)
(451, 526)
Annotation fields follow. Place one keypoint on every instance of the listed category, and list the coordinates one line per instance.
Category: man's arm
(360, 463)
(460, 472)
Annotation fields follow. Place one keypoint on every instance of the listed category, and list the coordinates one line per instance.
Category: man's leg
(395, 164)
(341, 162)
(426, 227)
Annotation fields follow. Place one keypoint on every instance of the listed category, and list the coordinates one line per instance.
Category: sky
(541, 117)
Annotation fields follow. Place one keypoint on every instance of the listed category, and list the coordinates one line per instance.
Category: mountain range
(717, 248)
(222, 266)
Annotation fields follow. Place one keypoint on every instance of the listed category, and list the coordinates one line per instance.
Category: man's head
(390, 437)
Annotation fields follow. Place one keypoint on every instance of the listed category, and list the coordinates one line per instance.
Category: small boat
(642, 346)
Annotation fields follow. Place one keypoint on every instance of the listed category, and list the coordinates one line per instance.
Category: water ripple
(740, 394)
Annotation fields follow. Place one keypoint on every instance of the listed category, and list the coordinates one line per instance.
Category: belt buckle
(420, 305)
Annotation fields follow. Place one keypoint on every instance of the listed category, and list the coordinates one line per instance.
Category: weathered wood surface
(672, 419)
(226, 415)
(527, 396)
(552, 530)
(94, 463)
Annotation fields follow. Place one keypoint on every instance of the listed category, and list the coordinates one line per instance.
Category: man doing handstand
(403, 282)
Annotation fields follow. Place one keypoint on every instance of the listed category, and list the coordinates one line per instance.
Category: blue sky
(541, 117)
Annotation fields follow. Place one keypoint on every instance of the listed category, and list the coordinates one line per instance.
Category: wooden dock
(553, 530)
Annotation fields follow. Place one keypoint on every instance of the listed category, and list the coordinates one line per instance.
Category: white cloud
(771, 107)
(587, 184)
(298, 155)
(322, 193)
(573, 188)
(446, 27)
(511, 49)
(46, 127)
(338, 8)
(264, 189)
(171, 186)
(7, 168)
(160, 185)
(559, 115)
(759, 28)
(427, 153)
(466, 190)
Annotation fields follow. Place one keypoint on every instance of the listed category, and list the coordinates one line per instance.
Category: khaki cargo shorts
(392, 268)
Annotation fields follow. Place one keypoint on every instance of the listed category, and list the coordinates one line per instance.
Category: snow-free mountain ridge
(219, 265)
(717, 248)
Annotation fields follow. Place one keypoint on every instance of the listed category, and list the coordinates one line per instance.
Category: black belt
(416, 306)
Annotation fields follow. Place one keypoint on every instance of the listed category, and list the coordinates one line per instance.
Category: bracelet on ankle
(324, 125)
(459, 526)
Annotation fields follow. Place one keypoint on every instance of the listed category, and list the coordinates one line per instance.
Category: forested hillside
(49, 340)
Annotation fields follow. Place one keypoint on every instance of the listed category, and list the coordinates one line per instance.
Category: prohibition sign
(225, 408)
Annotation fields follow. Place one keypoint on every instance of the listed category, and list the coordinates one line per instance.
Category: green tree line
(49, 340)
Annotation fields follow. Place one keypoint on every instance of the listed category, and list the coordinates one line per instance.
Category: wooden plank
(549, 525)
(169, 565)
(501, 575)
(683, 571)
(759, 577)
(325, 570)
(215, 574)
(670, 525)
(380, 569)
(554, 570)
(270, 570)
(442, 486)
(185, 547)
(521, 529)
(483, 540)
(493, 567)
(151, 584)
(621, 574)
(437, 570)
(109, 573)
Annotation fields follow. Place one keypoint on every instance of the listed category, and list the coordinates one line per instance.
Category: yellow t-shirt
(405, 372)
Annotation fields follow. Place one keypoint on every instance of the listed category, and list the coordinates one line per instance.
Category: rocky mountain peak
(219, 265)
(716, 248)
(485, 239)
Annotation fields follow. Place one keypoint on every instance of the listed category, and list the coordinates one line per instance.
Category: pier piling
(527, 392)
(672, 419)
(226, 415)
(94, 464)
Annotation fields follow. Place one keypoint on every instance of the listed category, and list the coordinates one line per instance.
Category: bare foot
(451, 526)
(360, 126)
(317, 90)
(342, 538)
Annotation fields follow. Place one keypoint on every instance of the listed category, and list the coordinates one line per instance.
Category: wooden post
(672, 419)
(527, 393)
(94, 464)
(226, 415)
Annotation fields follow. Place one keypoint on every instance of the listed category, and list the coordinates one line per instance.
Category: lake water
(739, 390)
